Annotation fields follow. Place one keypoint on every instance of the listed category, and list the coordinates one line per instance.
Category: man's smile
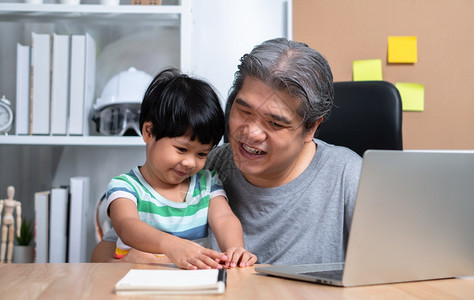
(252, 150)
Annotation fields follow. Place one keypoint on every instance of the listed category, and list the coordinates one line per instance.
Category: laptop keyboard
(330, 274)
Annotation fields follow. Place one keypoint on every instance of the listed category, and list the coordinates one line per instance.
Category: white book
(60, 84)
(136, 281)
(42, 226)
(58, 223)
(82, 85)
(76, 87)
(41, 81)
(89, 83)
(22, 113)
(78, 218)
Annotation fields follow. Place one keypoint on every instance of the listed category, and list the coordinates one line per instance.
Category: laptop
(413, 220)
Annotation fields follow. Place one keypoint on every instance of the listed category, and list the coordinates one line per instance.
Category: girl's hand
(190, 255)
(139, 257)
(239, 257)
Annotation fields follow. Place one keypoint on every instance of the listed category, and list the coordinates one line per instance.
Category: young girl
(166, 205)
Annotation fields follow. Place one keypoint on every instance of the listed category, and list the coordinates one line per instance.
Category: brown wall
(348, 30)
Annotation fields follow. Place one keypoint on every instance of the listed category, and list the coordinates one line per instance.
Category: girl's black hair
(177, 105)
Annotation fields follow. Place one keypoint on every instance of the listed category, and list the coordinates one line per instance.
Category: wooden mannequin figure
(8, 225)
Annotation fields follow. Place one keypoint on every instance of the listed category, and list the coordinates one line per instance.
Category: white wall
(223, 31)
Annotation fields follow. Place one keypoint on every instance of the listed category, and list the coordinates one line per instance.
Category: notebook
(413, 220)
(153, 281)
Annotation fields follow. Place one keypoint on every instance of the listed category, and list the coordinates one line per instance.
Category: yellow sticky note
(402, 49)
(413, 96)
(367, 69)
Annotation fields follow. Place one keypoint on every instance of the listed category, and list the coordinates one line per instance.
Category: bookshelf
(109, 24)
(33, 163)
(64, 10)
(154, 15)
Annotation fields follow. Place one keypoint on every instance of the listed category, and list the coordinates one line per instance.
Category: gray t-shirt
(304, 221)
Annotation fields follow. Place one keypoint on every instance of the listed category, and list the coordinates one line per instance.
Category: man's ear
(309, 135)
(147, 131)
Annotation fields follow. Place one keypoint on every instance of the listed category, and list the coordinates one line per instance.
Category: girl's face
(170, 161)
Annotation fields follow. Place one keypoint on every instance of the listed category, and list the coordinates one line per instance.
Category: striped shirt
(187, 220)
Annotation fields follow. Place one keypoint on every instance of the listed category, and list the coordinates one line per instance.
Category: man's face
(266, 134)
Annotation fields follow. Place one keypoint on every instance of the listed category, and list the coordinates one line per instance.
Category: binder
(42, 226)
(78, 218)
(58, 225)
(22, 111)
(76, 94)
(82, 84)
(89, 83)
(60, 84)
(40, 92)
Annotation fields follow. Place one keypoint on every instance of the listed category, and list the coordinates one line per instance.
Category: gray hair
(294, 67)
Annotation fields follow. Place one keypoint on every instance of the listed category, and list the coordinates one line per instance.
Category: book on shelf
(89, 84)
(78, 218)
(59, 84)
(22, 110)
(148, 281)
(40, 83)
(82, 83)
(58, 224)
(61, 222)
(76, 90)
(42, 226)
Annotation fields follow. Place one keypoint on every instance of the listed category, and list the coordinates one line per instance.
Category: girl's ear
(147, 131)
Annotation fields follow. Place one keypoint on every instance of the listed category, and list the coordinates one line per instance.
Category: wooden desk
(96, 281)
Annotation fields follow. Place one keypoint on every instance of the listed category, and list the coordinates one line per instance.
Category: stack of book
(61, 217)
(55, 85)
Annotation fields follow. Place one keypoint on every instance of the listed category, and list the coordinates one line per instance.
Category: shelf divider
(72, 140)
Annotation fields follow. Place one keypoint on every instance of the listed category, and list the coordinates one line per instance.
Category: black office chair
(366, 115)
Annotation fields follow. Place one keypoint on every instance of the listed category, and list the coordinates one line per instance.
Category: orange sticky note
(402, 49)
(367, 69)
(413, 96)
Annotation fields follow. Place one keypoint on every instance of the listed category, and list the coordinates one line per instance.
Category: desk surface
(97, 281)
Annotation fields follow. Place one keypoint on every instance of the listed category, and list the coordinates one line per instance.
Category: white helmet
(126, 87)
(117, 111)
